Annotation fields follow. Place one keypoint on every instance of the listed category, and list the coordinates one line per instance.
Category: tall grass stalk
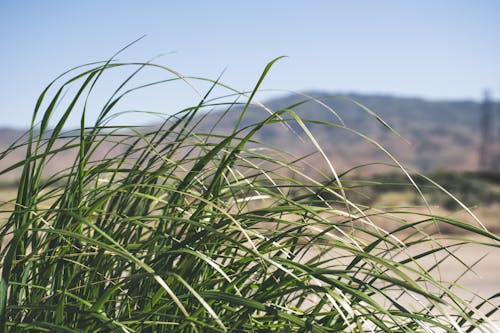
(183, 228)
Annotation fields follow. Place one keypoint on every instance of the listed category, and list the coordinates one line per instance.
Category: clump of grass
(180, 227)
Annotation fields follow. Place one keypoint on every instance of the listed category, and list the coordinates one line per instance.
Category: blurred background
(430, 69)
(444, 50)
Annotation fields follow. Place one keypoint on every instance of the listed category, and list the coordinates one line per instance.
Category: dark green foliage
(471, 188)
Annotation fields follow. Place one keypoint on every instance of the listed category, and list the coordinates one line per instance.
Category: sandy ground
(480, 282)
(483, 279)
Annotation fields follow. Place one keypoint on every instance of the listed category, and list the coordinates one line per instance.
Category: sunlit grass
(182, 227)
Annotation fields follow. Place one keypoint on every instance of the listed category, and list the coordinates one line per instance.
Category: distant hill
(441, 134)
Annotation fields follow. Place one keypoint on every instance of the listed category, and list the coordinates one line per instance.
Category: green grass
(181, 228)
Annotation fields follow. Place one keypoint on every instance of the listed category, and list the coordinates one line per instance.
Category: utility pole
(496, 130)
(485, 153)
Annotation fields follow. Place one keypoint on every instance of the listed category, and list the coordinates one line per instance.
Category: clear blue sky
(447, 49)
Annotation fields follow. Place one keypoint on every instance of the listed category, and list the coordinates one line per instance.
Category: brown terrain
(437, 134)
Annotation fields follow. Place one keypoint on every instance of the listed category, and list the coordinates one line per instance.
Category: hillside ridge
(441, 134)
